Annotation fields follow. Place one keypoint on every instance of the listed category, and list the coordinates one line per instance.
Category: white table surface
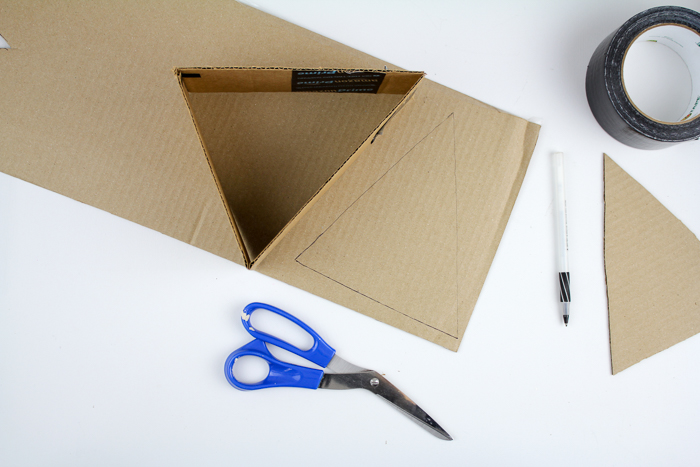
(113, 336)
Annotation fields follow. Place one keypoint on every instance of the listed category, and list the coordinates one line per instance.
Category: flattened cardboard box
(196, 120)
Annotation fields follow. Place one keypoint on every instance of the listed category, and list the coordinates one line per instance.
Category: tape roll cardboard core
(610, 88)
(675, 74)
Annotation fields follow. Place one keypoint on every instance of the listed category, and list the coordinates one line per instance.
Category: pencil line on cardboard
(376, 301)
(297, 259)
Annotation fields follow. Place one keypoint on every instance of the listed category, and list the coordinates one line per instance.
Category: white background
(113, 336)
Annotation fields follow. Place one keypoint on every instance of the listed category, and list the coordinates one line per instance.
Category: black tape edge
(298, 84)
(606, 95)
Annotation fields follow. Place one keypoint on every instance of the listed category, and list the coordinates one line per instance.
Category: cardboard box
(390, 200)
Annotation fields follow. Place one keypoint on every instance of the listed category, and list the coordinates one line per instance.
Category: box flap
(408, 233)
(652, 268)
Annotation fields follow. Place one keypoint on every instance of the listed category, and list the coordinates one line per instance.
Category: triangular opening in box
(353, 250)
(275, 137)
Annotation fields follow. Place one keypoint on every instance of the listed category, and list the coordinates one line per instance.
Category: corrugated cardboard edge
(239, 239)
(533, 132)
(605, 265)
(651, 313)
(529, 143)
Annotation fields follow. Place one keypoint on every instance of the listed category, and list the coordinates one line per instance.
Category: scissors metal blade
(376, 383)
(338, 365)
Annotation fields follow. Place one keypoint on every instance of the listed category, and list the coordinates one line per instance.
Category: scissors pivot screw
(374, 382)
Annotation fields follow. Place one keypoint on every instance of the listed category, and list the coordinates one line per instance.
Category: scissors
(338, 374)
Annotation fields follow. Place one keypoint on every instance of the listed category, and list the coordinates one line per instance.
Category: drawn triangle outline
(349, 251)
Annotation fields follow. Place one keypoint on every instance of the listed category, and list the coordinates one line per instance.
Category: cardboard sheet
(652, 267)
(392, 204)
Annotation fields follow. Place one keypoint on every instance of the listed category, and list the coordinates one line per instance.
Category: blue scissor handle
(320, 352)
(281, 374)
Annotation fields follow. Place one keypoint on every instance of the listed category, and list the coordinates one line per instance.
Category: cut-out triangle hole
(272, 149)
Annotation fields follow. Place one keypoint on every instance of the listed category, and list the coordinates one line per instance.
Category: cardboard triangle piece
(652, 267)
(363, 238)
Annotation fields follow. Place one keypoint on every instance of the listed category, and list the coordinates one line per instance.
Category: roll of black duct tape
(677, 28)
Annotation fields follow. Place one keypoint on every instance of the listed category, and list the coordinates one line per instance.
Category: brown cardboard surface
(652, 267)
(396, 212)
(408, 234)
